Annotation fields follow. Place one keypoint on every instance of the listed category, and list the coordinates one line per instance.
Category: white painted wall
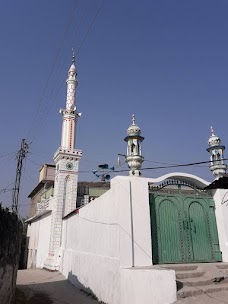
(106, 247)
(91, 248)
(100, 245)
(39, 237)
(221, 213)
(147, 286)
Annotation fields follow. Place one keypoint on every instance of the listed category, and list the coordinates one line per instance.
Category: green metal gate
(183, 225)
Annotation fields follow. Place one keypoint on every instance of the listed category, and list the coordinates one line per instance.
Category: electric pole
(20, 157)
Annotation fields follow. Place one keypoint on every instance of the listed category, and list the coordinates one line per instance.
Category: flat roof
(39, 186)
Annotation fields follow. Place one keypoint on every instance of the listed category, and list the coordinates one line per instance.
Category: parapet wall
(106, 248)
(10, 243)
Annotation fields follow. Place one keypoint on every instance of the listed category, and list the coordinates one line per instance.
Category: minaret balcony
(218, 166)
(66, 152)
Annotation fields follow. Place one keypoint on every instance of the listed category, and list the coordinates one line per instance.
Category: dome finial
(133, 119)
(73, 57)
(212, 131)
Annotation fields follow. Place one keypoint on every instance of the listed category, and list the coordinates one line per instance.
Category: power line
(34, 162)
(148, 168)
(8, 160)
(173, 166)
(5, 189)
(158, 162)
(91, 25)
(8, 154)
(58, 53)
(45, 113)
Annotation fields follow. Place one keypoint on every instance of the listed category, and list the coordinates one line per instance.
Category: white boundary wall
(107, 249)
(98, 253)
(221, 212)
(39, 237)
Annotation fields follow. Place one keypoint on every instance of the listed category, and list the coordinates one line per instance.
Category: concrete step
(201, 281)
(222, 266)
(196, 279)
(181, 267)
(189, 291)
(189, 274)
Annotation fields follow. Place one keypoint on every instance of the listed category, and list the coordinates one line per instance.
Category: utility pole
(20, 157)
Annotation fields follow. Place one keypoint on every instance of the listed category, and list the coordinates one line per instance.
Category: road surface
(44, 287)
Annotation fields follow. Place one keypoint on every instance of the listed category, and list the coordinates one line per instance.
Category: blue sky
(165, 61)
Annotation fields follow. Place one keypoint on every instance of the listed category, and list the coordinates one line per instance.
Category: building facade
(111, 242)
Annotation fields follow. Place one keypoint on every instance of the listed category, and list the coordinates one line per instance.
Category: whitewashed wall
(91, 247)
(39, 237)
(221, 212)
(106, 238)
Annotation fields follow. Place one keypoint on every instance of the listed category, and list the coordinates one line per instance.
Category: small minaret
(66, 159)
(134, 157)
(218, 167)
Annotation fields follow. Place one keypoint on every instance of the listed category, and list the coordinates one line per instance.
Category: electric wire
(8, 160)
(163, 163)
(45, 113)
(8, 154)
(5, 189)
(57, 84)
(58, 54)
(149, 168)
(91, 25)
(29, 176)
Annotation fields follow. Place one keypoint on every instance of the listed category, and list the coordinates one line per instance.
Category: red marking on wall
(70, 135)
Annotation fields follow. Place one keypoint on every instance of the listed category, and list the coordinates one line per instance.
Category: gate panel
(199, 233)
(217, 255)
(170, 238)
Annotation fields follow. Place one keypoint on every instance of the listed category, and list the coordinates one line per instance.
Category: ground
(209, 298)
(38, 286)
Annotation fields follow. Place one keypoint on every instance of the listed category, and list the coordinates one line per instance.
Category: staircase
(196, 279)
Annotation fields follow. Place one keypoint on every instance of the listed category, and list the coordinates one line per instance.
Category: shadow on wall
(86, 290)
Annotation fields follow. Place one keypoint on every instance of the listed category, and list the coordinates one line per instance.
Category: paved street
(44, 287)
(210, 298)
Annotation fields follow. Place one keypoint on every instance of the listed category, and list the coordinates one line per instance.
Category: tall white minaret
(66, 175)
(217, 167)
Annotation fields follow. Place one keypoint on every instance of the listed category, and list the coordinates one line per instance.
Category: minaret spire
(70, 114)
(73, 57)
(212, 131)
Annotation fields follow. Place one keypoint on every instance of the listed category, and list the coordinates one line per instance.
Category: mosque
(112, 244)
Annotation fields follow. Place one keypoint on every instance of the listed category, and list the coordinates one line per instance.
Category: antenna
(118, 158)
(103, 172)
